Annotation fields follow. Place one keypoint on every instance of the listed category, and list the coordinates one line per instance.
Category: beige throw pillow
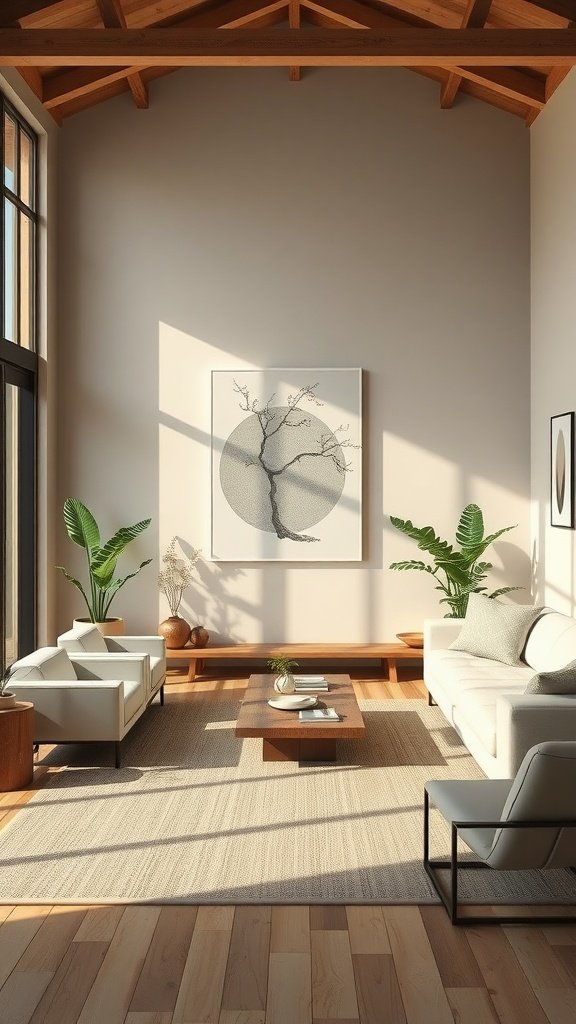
(563, 680)
(495, 630)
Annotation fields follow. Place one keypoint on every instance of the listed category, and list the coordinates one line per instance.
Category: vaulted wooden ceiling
(75, 53)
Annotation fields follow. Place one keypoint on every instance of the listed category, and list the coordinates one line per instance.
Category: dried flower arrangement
(176, 575)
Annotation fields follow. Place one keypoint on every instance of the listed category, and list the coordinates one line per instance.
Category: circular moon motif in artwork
(308, 484)
(560, 470)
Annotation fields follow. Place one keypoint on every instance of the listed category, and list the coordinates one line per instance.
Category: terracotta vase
(199, 637)
(176, 632)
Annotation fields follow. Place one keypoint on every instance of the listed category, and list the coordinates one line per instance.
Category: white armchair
(82, 700)
(86, 640)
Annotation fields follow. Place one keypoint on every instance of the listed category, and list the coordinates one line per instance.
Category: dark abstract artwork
(562, 470)
(286, 465)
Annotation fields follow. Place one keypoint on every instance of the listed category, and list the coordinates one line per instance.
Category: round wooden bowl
(411, 639)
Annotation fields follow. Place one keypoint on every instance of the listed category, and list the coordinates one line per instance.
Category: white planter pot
(285, 684)
(110, 627)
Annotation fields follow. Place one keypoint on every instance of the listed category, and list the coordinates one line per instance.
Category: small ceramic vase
(199, 637)
(285, 683)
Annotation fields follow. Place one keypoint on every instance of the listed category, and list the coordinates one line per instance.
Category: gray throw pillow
(495, 630)
(563, 680)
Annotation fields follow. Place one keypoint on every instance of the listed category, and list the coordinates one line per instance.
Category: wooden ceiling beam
(563, 8)
(13, 10)
(475, 16)
(113, 17)
(168, 47)
(514, 84)
(69, 86)
(294, 72)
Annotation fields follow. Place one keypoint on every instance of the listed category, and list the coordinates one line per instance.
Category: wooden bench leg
(392, 670)
(192, 670)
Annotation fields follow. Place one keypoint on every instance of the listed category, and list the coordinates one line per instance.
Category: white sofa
(485, 700)
(84, 699)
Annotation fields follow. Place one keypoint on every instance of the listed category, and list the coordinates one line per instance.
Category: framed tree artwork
(286, 465)
(562, 470)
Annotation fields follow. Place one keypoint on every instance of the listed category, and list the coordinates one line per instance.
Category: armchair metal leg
(162, 694)
(450, 899)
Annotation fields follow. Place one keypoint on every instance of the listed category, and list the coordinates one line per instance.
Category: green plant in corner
(458, 571)
(83, 530)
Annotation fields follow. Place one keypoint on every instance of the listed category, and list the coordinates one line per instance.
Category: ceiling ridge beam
(294, 72)
(184, 47)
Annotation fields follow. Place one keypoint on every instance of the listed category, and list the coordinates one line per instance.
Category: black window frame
(19, 367)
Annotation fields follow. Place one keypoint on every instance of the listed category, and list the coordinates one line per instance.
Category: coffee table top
(257, 718)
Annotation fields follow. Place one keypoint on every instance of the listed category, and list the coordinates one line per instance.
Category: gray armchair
(85, 641)
(510, 824)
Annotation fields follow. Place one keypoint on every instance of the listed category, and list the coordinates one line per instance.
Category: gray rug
(196, 816)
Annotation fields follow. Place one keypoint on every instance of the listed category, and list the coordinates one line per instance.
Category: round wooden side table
(16, 753)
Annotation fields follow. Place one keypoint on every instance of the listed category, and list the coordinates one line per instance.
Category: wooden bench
(387, 654)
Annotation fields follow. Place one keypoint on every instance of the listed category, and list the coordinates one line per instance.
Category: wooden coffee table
(284, 736)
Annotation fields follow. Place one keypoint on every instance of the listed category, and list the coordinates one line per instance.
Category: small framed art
(562, 470)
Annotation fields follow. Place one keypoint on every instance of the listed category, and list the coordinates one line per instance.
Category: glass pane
(10, 271)
(26, 267)
(11, 579)
(26, 169)
(10, 152)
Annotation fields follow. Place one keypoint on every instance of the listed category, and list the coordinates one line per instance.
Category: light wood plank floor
(280, 964)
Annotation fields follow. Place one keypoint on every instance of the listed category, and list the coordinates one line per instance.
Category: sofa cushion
(551, 643)
(495, 630)
(563, 680)
(83, 639)
(458, 672)
(45, 663)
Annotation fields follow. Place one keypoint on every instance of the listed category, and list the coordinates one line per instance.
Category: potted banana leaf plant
(83, 530)
(457, 569)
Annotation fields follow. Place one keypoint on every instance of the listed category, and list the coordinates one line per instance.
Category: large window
(18, 385)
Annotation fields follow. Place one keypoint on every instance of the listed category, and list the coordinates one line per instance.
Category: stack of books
(319, 715)
(310, 684)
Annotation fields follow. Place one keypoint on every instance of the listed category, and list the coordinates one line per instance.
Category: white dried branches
(176, 575)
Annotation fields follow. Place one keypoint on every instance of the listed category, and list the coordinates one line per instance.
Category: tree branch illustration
(329, 445)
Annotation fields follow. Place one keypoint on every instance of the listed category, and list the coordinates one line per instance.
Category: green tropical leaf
(424, 536)
(118, 584)
(504, 590)
(455, 572)
(76, 583)
(104, 560)
(470, 529)
(494, 536)
(412, 564)
(80, 524)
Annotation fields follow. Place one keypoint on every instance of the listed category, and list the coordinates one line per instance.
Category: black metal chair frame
(450, 898)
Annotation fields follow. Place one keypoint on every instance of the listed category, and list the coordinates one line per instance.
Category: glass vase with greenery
(457, 569)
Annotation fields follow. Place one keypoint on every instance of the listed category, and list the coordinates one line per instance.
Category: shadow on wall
(553, 556)
(233, 600)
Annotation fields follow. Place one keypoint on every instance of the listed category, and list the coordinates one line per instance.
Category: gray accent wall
(246, 221)
(553, 159)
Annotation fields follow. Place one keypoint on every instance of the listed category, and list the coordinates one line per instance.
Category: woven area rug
(196, 816)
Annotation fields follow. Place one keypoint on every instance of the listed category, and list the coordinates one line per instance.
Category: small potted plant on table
(7, 699)
(284, 682)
